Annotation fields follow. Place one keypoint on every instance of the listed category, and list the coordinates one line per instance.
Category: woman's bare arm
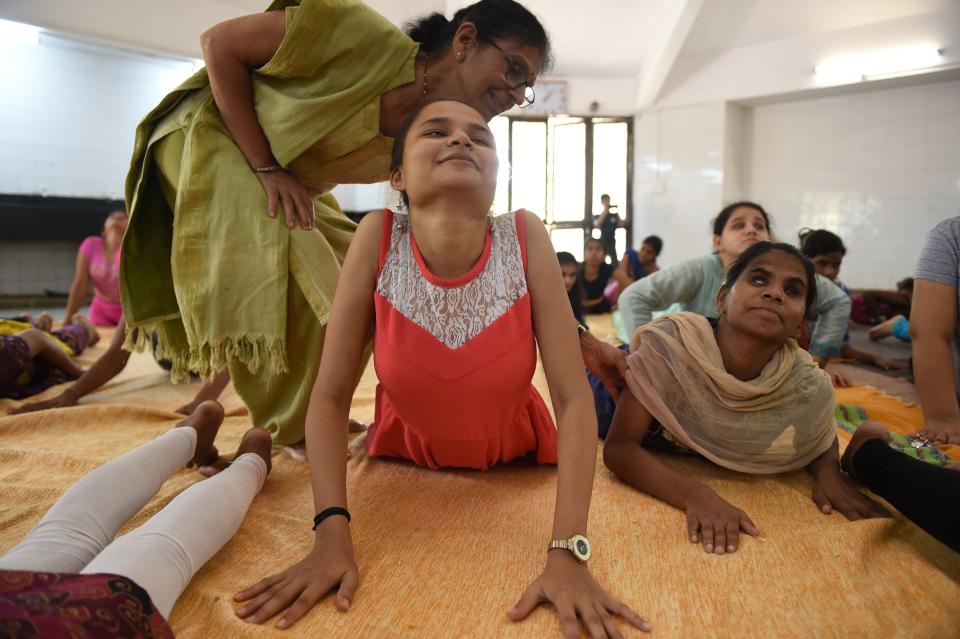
(933, 322)
(78, 288)
(231, 50)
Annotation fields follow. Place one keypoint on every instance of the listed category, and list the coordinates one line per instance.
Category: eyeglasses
(516, 76)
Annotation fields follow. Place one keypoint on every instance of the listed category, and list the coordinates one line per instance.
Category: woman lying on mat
(108, 366)
(32, 359)
(68, 578)
(737, 390)
(458, 300)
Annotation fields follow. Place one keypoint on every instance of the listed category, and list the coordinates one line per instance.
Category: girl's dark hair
(654, 242)
(567, 258)
(820, 242)
(743, 261)
(721, 220)
(575, 293)
(494, 19)
(400, 140)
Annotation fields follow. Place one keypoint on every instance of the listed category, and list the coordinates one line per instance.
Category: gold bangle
(266, 169)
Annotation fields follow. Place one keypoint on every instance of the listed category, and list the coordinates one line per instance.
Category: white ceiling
(727, 24)
(600, 38)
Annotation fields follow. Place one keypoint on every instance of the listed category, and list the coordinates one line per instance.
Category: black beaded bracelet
(330, 512)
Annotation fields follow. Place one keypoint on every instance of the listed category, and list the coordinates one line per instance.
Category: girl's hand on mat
(63, 400)
(285, 190)
(569, 586)
(832, 491)
(839, 380)
(715, 522)
(605, 361)
(330, 565)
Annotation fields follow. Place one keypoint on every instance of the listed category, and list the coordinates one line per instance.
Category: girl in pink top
(98, 260)
(458, 301)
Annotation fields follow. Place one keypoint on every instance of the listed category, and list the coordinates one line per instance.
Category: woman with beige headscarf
(736, 390)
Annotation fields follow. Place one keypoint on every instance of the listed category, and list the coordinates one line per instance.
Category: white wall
(679, 177)
(879, 168)
(69, 113)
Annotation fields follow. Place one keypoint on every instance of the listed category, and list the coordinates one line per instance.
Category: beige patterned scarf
(780, 421)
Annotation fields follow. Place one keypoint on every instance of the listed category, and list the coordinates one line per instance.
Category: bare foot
(884, 329)
(258, 442)
(85, 323)
(865, 432)
(206, 420)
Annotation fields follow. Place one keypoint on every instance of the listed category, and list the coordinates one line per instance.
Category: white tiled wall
(69, 111)
(30, 268)
(679, 177)
(878, 168)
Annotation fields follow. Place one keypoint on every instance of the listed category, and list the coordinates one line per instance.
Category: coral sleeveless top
(455, 357)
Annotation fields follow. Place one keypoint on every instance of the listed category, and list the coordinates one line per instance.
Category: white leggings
(163, 554)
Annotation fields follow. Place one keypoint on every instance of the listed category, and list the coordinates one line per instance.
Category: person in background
(608, 222)
(694, 283)
(98, 262)
(936, 333)
(570, 270)
(595, 274)
(873, 307)
(635, 265)
(826, 250)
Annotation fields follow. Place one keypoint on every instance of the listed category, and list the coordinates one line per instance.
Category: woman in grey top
(694, 284)
(936, 333)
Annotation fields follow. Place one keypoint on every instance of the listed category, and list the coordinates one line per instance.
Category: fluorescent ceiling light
(846, 69)
(18, 33)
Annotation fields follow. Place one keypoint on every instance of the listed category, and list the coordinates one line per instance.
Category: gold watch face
(580, 546)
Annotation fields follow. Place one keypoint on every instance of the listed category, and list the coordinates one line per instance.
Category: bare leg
(42, 345)
(884, 329)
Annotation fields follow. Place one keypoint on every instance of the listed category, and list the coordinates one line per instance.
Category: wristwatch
(578, 545)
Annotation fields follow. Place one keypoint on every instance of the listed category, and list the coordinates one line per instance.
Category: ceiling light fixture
(18, 33)
(885, 63)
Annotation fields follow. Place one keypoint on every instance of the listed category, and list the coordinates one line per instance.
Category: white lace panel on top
(456, 314)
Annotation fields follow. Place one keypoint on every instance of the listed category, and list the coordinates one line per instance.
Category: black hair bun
(433, 32)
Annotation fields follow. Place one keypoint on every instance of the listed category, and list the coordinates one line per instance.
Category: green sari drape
(203, 266)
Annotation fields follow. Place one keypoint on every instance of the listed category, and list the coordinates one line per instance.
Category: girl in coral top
(459, 300)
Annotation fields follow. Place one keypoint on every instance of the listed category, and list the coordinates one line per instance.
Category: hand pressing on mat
(293, 592)
(715, 522)
(569, 586)
(833, 491)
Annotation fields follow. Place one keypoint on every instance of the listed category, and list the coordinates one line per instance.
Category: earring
(459, 54)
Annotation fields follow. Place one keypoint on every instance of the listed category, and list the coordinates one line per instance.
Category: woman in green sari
(292, 102)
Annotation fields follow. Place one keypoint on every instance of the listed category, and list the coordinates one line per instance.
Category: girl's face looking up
(768, 300)
(744, 227)
(828, 264)
(447, 149)
(593, 252)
